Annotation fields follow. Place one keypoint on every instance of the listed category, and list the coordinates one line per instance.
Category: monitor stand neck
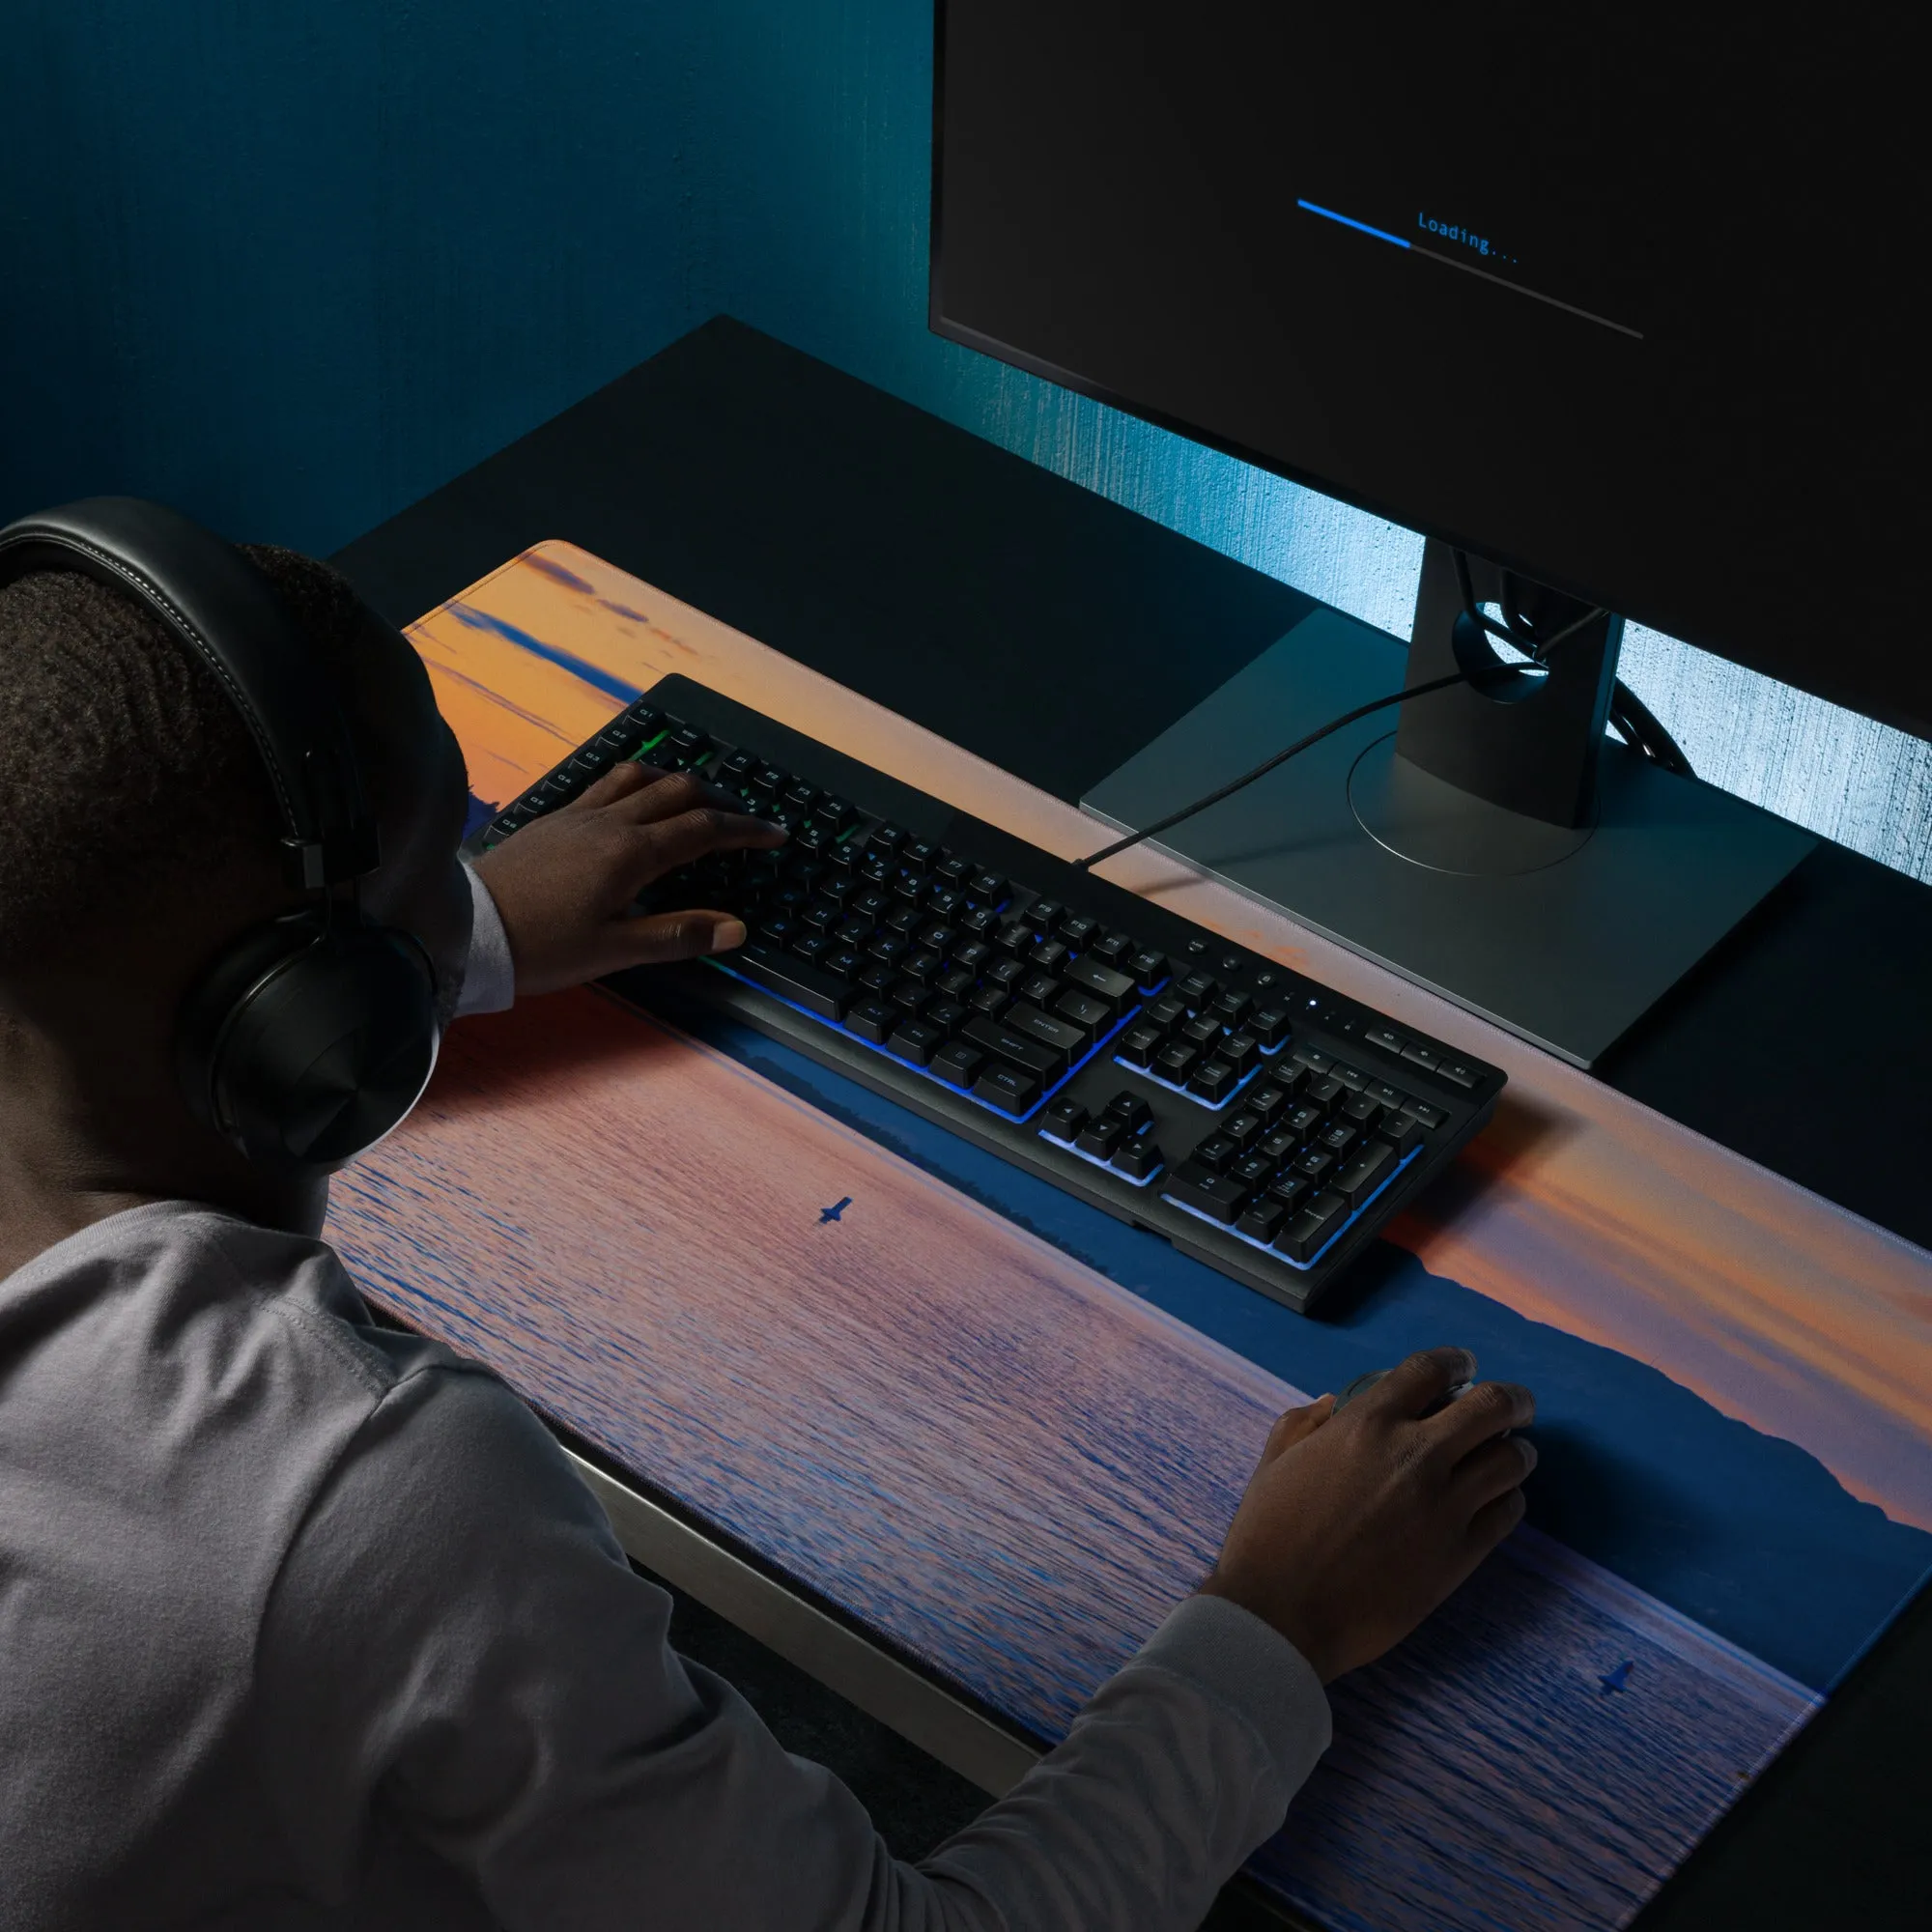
(1500, 775)
(1510, 858)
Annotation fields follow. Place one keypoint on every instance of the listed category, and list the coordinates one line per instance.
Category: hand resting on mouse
(1355, 1525)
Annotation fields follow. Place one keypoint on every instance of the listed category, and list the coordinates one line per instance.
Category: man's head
(139, 837)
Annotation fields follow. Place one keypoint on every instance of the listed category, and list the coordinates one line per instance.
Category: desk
(835, 525)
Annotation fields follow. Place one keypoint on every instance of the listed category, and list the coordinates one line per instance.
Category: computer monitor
(1613, 303)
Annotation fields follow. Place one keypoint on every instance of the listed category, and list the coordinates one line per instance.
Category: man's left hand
(565, 884)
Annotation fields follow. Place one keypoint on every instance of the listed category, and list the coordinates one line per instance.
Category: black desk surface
(1023, 618)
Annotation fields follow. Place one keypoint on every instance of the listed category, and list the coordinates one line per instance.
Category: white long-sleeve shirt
(304, 1623)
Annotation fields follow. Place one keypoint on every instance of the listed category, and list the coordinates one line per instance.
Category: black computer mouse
(1363, 1383)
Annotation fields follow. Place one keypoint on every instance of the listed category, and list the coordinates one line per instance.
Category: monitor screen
(1619, 298)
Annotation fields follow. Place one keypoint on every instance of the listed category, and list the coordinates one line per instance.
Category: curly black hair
(125, 774)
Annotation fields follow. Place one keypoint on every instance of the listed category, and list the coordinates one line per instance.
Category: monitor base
(1565, 937)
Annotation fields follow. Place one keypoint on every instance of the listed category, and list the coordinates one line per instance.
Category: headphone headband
(222, 608)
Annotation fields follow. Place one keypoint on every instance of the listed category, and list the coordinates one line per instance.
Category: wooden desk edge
(919, 1710)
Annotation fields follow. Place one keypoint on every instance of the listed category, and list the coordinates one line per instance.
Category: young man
(307, 1624)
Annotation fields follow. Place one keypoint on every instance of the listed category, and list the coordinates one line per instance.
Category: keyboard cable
(1513, 630)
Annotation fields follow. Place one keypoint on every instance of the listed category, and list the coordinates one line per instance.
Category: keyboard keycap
(1199, 990)
(1114, 990)
(1211, 1194)
(917, 1041)
(1111, 948)
(1065, 1040)
(1268, 1025)
(1214, 1081)
(1306, 1234)
(812, 987)
(1262, 1221)
(1386, 1038)
(947, 1014)
(1357, 1178)
(1244, 1128)
(1083, 1011)
(1459, 1071)
(996, 1036)
(1433, 1118)
(1138, 1157)
(1290, 1189)
(1327, 1094)
(1216, 1151)
(875, 1020)
(1101, 1137)
(1063, 1119)
(1139, 1044)
(1007, 1088)
(1166, 1012)
(1401, 1131)
(1132, 1108)
(1175, 1061)
(957, 1064)
(1265, 1101)
(1238, 1050)
(1148, 969)
(1253, 1170)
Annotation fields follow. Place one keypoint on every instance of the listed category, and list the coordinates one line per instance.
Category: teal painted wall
(292, 267)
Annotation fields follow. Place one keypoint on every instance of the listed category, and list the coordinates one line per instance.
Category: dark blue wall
(290, 265)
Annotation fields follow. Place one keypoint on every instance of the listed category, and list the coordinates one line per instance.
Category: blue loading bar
(1467, 267)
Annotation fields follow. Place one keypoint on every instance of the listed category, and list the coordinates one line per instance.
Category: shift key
(991, 1036)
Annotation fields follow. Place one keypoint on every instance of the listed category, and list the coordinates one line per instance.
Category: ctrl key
(1311, 1231)
(1007, 1088)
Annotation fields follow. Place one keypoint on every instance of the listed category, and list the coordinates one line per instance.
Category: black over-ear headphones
(313, 1035)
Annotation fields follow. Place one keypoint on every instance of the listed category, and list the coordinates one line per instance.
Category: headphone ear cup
(308, 1042)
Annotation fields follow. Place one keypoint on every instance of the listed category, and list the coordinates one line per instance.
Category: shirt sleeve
(489, 977)
(456, 1648)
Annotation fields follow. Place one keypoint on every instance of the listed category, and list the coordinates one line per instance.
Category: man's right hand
(1356, 1525)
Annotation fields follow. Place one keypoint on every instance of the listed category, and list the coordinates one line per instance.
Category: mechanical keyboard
(1251, 1116)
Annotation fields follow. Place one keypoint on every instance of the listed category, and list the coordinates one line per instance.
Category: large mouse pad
(1006, 1431)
